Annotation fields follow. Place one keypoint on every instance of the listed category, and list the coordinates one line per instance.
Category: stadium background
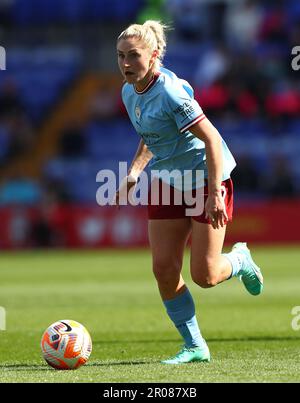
(62, 119)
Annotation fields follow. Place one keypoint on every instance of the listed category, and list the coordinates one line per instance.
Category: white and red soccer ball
(66, 344)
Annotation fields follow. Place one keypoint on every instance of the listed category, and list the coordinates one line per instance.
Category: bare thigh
(208, 266)
(168, 240)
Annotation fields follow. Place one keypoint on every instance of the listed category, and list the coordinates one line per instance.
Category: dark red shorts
(160, 211)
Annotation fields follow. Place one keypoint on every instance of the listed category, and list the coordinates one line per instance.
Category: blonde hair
(152, 34)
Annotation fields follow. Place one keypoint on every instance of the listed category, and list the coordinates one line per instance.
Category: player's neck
(143, 84)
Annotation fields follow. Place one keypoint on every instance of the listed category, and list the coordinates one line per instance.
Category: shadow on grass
(39, 367)
(254, 338)
(45, 367)
(209, 340)
(24, 367)
(95, 342)
(129, 362)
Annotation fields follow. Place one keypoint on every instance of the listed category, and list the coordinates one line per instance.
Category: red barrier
(108, 227)
(97, 227)
(271, 222)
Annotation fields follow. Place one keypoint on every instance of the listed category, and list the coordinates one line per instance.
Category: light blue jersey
(162, 115)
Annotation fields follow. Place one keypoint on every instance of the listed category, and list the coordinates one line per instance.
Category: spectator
(214, 99)
(191, 18)
(21, 135)
(275, 24)
(10, 102)
(242, 23)
(283, 102)
(242, 101)
(246, 178)
(55, 191)
(104, 104)
(72, 141)
(47, 227)
(213, 65)
(281, 184)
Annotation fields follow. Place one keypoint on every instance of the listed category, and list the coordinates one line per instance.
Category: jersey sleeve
(184, 109)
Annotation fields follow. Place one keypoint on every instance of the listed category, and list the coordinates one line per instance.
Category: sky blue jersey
(162, 114)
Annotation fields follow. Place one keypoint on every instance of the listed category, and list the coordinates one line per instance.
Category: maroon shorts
(160, 210)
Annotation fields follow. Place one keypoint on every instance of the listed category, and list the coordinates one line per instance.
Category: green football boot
(186, 355)
(250, 274)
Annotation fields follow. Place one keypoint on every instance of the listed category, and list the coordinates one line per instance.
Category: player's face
(135, 60)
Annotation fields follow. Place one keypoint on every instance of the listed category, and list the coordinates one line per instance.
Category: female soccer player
(177, 135)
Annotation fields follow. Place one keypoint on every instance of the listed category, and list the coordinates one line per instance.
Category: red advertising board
(99, 227)
(269, 222)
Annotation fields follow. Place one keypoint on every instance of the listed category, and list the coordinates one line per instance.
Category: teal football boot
(250, 274)
(192, 354)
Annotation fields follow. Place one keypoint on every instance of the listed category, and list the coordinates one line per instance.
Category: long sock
(181, 311)
(236, 261)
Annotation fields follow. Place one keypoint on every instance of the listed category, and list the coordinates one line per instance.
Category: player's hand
(215, 210)
(124, 193)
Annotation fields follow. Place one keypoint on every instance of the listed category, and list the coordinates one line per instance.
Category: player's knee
(165, 272)
(205, 281)
(205, 275)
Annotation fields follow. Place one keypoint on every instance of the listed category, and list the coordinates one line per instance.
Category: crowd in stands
(16, 131)
(237, 56)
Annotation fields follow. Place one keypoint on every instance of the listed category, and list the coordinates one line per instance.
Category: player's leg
(210, 267)
(168, 238)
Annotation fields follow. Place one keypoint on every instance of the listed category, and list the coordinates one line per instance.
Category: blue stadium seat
(25, 12)
(183, 58)
(111, 138)
(96, 10)
(22, 12)
(72, 11)
(293, 127)
(126, 10)
(293, 8)
(41, 75)
(79, 175)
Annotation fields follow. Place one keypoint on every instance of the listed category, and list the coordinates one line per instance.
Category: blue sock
(235, 260)
(181, 311)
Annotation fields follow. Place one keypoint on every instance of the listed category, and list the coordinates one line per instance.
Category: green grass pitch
(113, 293)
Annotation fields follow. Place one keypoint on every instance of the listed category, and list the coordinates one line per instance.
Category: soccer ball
(66, 344)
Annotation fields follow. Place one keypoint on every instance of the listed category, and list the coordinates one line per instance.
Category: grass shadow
(254, 338)
(129, 362)
(95, 342)
(209, 340)
(24, 367)
(41, 367)
(45, 367)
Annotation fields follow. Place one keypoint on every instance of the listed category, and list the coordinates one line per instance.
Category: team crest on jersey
(138, 112)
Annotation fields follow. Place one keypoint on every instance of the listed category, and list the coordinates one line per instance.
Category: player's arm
(139, 162)
(142, 156)
(215, 207)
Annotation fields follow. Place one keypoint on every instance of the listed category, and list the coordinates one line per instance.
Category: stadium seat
(25, 12)
(31, 69)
